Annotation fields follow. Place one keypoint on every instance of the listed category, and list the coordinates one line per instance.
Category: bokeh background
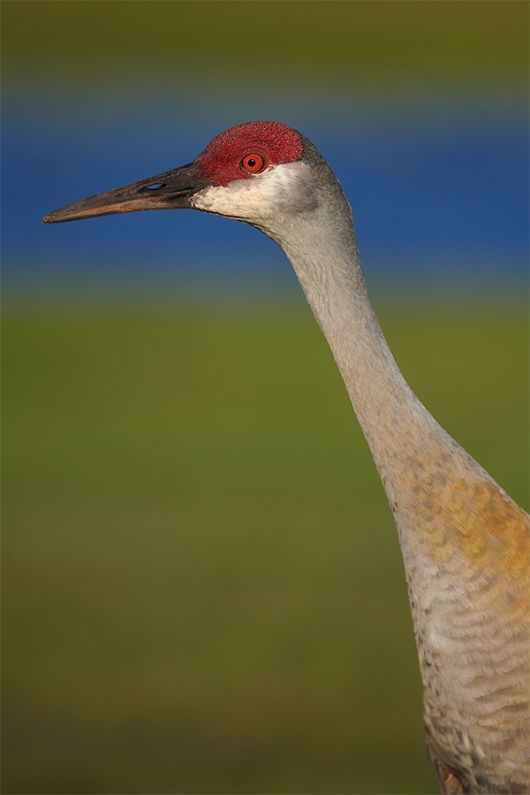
(203, 590)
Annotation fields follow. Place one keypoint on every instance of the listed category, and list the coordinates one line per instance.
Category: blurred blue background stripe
(432, 193)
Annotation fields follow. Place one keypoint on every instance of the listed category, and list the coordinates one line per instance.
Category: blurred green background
(202, 585)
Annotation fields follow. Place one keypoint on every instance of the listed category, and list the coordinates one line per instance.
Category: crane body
(465, 542)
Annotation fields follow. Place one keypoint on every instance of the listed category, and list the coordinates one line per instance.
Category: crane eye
(253, 163)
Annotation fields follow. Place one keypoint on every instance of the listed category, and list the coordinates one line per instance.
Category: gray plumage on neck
(319, 240)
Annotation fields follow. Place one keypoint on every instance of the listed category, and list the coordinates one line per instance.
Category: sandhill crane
(465, 543)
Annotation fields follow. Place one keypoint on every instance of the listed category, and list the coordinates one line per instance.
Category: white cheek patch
(283, 188)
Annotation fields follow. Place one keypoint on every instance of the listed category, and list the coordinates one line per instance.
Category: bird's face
(254, 172)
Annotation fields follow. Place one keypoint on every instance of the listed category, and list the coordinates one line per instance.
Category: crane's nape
(465, 542)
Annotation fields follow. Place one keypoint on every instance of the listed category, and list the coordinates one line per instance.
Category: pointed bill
(171, 190)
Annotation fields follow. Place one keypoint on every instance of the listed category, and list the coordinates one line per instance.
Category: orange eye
(253, 163)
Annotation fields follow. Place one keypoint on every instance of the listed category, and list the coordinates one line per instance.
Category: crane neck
(323, 252)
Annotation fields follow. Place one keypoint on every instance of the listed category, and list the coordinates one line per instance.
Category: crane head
(253, 172)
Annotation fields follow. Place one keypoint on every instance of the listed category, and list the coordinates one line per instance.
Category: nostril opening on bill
(155, 186)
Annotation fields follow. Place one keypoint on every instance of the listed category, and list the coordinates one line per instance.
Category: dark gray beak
(171, 190)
